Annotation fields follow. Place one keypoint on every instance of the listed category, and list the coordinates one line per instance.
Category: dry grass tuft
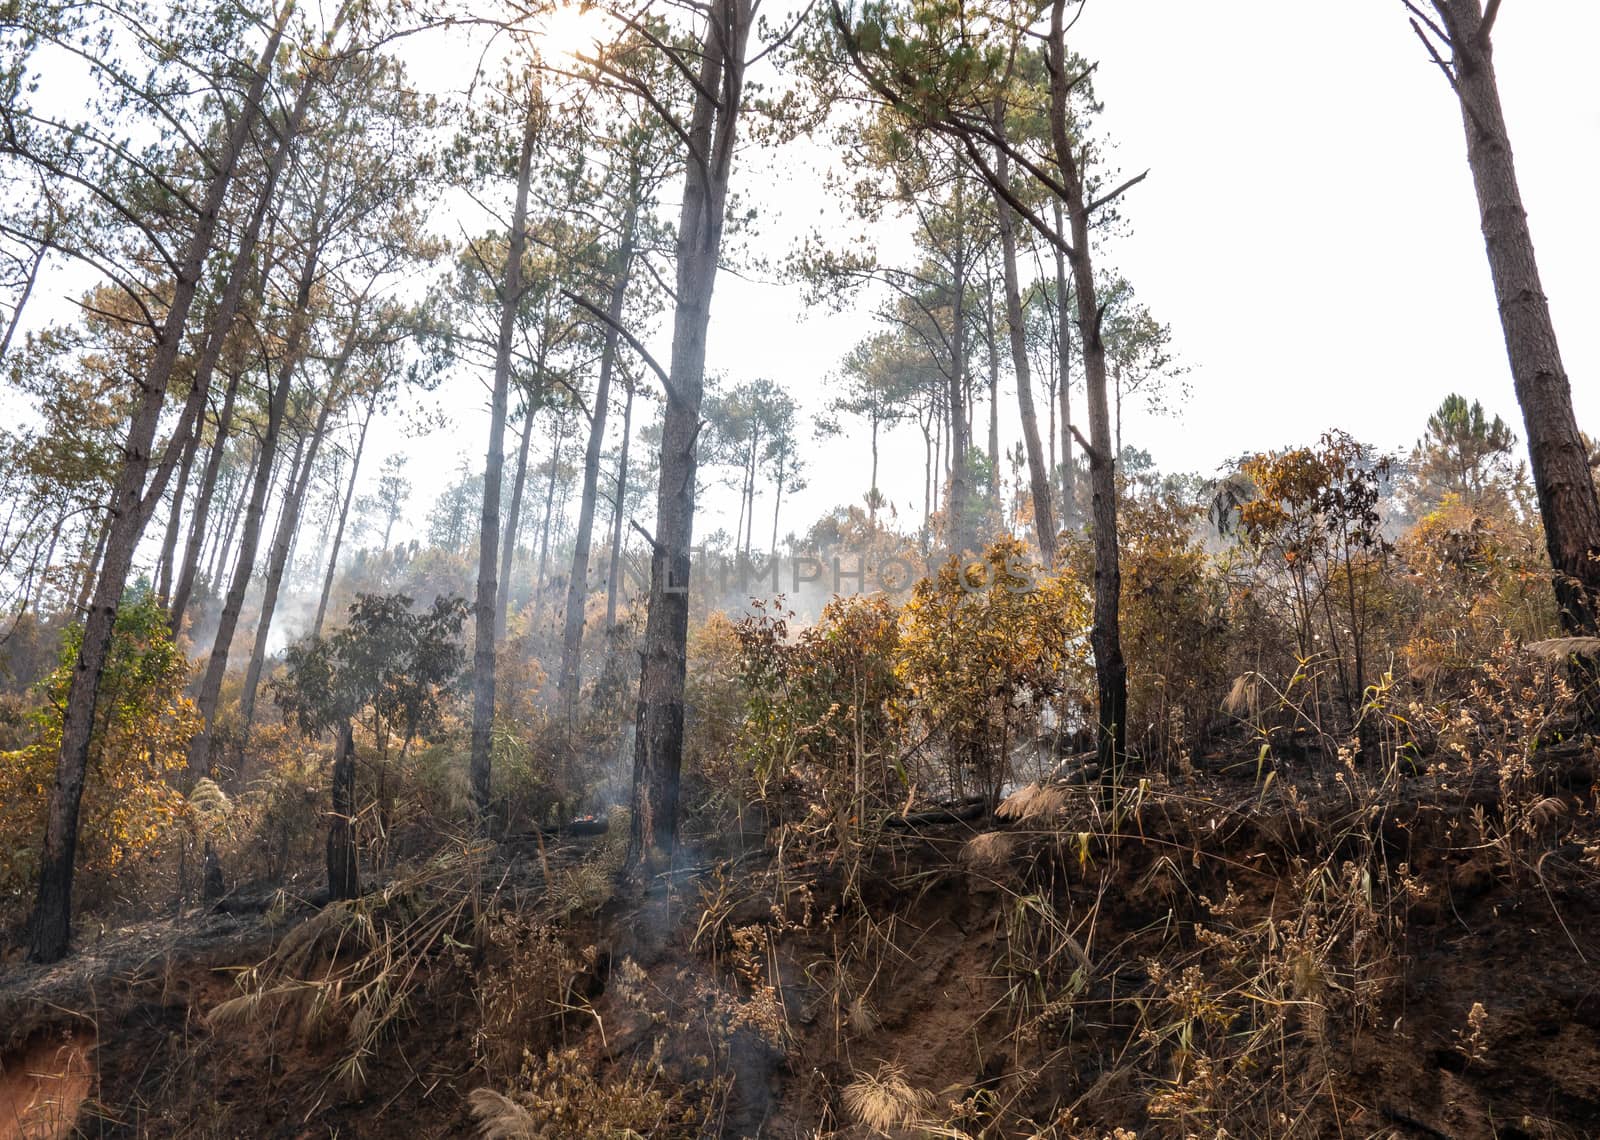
(989, 849)
(885, 1099)
(1034, 801)
(1560, 648)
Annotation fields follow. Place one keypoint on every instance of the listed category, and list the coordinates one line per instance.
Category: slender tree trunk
(508, 544)
(750, 493)
(872, 489)
(200, 748)
(1044, 523)
(1069, 465)
(1111, 672)
(169, 543)
(549, 506)
(246, 479)
(344, 879)
(1568, 503)
(51, 924)
(957, 527)
(618, 505)
(578, 579)
(658, 748)
(487, 605)
(178, 603)
(283, 541)
(27, 291)
(777, 504)
(344, 514)
(90, 570)
(995, 481)
(1116, 386)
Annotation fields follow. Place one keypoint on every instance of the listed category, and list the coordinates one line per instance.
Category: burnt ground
(1219, 957)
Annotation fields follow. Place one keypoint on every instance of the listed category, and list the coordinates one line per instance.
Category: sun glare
(571, 30)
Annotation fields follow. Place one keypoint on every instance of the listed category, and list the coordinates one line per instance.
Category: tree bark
(50, 926)
(486, 606)
(1568, 503)
(570, 675)
(712, 129)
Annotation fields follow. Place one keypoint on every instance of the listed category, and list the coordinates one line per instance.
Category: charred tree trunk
(1568, 503)
(344, 879)
(486, 606)
(658, 748)
(50, 926)
(578, 579)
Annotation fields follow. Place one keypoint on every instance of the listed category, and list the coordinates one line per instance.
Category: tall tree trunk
(344, 513)
(618, 504)
(1044, 523)
(658, 739)
(50, 926)
(486, 606)
(578, 578)
(244, 568)
(508, 542)
(1562, 478)
(1111, 671)
(283, 541)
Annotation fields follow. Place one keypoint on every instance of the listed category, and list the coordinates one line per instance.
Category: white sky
(1308, 229)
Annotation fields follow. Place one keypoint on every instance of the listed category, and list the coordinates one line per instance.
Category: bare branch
(1111, 196)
